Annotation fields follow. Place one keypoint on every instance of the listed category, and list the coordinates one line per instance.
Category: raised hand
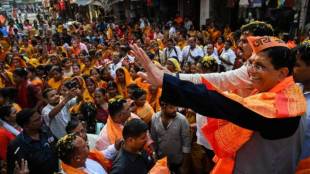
(154, 74)
(22, 168)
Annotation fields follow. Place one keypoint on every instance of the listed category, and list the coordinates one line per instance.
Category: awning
(94, 2)
(87, 2)
(82, 2)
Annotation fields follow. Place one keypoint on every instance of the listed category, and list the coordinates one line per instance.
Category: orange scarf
(219, 47)
(155, 102)
(145, 112)
(284, 100)
(142, 84)
(160, 167)
(114, 130)
(303, 166)
(54, 84)
(94, 155)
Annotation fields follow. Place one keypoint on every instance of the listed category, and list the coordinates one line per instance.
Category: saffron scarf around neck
(285, 100)
(94, 155)
(114, 130)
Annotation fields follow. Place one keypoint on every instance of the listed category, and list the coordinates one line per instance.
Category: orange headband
(260, 43)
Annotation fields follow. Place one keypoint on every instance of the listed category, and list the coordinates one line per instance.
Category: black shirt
(212, 104)
(129, 163)
(40, 154)
(66, 38)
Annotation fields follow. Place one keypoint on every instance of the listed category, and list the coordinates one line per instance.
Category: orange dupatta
(128, 81)
(282, 101)
(142, 84)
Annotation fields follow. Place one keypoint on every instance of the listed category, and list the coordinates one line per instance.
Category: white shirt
(142, 24)
(189, 54)
(93, 167)
(215, 54)
(236, 80)
(188, 24)
(230, 56)
(158, 35)
(172, 32)
(131, 58)
(103, 141)
(9, 127)
(59, 122)
(173, 52)
(113, 67)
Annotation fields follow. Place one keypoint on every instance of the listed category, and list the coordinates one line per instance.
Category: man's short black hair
(65, 148)
(21, 72)
(23, 117)
(137, 93)
(5, 111)
(132, 86)
(134, 128)
(111, 84)
(56, 68)
(115, 106)
(229, 42)
(46, 91)
(281, 57)
(303, 50)
(258, 28)
(8, 93)
(72, 124)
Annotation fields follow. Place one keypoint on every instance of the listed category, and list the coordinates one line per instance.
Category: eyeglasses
(255, 66)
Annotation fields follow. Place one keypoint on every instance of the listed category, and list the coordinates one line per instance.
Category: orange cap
(259, 43)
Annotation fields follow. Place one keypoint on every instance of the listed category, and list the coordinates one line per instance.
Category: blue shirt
(4, 31)
(306, 146)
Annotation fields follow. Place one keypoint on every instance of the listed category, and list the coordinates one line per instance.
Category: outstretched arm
(212, 104)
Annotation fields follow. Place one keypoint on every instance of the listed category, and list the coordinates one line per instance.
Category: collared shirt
(172, 141)
(230, 56)
(59, 122)
(40, 154)
(190, 55)
(172, 52)
(130, 163)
